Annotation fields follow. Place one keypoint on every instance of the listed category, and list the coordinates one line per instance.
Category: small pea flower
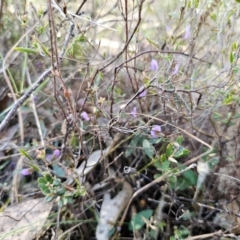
(134, 112)
(35, 98)
(143, 94)
(176, 69)
(26, 171)
(85, 116)
(187, 32)
(155, 131)
(168, 29)
(48, 157)
(56, 153)
(154, 65)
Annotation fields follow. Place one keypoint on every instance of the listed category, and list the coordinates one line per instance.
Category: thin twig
(40, 80)
(22, 99)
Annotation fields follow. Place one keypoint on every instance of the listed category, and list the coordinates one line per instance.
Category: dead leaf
(111, 210)
(24, 220)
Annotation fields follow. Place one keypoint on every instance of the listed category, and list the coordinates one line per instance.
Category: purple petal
(155, 131)
(134, 112)
(48, 157)
(176, 69)
(154, 65)
(85, 116)
(26, 171)
(168, 29)
(143, 94)
(56, 153)
(188, 32)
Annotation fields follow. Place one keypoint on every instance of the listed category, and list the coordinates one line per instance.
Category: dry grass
(86, 85)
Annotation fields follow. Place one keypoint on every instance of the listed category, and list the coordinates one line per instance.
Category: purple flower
(35, 98)
(26, 171)
(168, 29)
(155, 131)
(85, 116)
(48, 157)
(154, 65)
(134, 112)
(56, 153)
(143, 94)
(187, 32)
(175, 71)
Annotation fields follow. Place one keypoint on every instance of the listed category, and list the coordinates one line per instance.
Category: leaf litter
(24, 220)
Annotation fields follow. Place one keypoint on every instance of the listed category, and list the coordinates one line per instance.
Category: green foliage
(167, 162)
(180, 233)
(53, 188)
(26, 50)
(78, 47)
(148, 148)
(25, 154)
(138, 138)
(137, 221)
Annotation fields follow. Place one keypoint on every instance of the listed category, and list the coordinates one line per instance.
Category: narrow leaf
(148, 148)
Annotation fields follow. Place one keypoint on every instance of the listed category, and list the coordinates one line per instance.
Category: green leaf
(236, 115)
(135, 140)
(231, 57)
(49, 198)
(48, 178)
(137, 221)
(45, 190)
(41, 185)
(35, 167)
(228, 100)
(148, 148)
(25, 154)
(169, 150)
(42, 180)
(153, 43)
(157, 164)
(4, 164)
(60, 192)
(234, 46)
(179, 140)
(163, 158)
(111, 232)
(181, 152)
(65, 200)
(60, 203)
(26, 50)
(156, 140)
(191, 177)
(56, 182)
(157, 175)
(70, 200)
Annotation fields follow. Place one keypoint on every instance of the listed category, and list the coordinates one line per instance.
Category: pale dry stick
(34, 109)
(22, 99)
(158, 180)
(227, 176)
(92, 22)
(56, 5)
(16, 180)
(208, 235)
